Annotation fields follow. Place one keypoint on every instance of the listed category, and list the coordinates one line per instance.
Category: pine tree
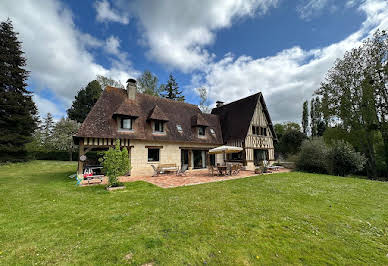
(18, 113)
(305, 117)
(313, 122)
(84, 101)
(171, 90)
(47, 131)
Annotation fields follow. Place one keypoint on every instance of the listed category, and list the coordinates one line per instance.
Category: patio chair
(156, 170)
(182, 170)
(228, 170)
(211, 170)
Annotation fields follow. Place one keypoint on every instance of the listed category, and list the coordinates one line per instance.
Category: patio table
(222, 169)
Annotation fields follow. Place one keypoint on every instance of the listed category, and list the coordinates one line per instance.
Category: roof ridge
(239, 100)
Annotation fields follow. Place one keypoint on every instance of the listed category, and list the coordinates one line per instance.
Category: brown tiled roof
(128, 108)
(157, 114)
(236, 117)
(199, 120)
(100, 122)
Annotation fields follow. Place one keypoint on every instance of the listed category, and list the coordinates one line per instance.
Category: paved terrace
(192, 177)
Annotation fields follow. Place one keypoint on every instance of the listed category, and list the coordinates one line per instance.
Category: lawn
(291, 218)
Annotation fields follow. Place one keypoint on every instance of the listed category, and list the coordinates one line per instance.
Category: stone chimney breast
(131, 88)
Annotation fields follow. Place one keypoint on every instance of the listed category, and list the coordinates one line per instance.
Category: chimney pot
(219, 104)
(131, 88)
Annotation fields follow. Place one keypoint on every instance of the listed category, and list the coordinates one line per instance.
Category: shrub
(115, 163)
(343, 160)
(312, 157)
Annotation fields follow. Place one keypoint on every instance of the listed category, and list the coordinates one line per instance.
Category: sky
(232, 48)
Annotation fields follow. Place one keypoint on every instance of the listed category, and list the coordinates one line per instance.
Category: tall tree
(171, 90)
(305, 117)
(356, 93)
(106, 81)
(47, 131)
(203, 104)
(18, 113)
(148, 83)
(63, 135)
(313, 122)
(84, 101)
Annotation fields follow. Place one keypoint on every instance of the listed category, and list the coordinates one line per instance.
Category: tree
(84, 101)
(63, 135)
(313, 122)
(18, 113)
(203, 104)
(47, 129)
(355, 93)
(171, 90)
(291, 141)
(105, 81)
(305, 117)
(148, 83)
(115, 163)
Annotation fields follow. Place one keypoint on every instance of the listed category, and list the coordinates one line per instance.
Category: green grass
(291, 218)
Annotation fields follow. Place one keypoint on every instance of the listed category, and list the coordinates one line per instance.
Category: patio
(192, 177)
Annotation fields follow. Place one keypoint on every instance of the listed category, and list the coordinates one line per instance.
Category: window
(153, 155)
(264, 131)
(126, 123)
(259, 131)
(212, 131)
(179, 128)
(253, 130)
(158, 126)
(201, 131)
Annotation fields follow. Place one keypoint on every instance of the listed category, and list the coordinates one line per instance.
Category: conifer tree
(171, 90)
(305, 117)
(18, 113)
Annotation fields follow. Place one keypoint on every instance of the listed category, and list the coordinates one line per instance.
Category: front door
(199, 159)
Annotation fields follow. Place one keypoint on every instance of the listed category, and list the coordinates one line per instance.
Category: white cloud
(310, 8)
(57, 53)
(106, 13)
(177, 32)
(289, 77)
(46, 106)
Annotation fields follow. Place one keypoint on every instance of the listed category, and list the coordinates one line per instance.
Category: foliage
(115, 163)
(84, 101)
(148, 83)
(342, 160)
(63, 135)
(354, 95)
(291, 141)
(347, 220)
(46, 131)
(204, 103)
(313, 156)
(305, 117)
(18, 113)
(171, 90)
(105, 81)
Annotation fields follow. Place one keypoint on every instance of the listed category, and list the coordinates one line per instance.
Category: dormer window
(201, 131)
(179, 128)
(126, 123)
(158, 126)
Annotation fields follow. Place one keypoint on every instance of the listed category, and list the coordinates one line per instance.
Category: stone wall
(170, 153)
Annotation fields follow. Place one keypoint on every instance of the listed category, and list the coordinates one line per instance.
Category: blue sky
(231, 48)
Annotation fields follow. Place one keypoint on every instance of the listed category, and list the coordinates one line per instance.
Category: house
(158, 130)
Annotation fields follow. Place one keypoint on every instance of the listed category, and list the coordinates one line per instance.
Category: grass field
(292, 218)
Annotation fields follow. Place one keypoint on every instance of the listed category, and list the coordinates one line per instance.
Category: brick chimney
(131, 88)
(219, 104)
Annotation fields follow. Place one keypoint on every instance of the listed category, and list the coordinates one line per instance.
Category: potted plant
(116, 163)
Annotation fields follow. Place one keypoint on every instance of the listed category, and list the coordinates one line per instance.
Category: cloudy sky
(233, 48)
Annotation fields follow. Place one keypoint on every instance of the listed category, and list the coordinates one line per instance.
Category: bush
(115, 163)
(343, 160)
(313, 156)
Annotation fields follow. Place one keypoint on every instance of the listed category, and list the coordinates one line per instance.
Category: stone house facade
(162, 131)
